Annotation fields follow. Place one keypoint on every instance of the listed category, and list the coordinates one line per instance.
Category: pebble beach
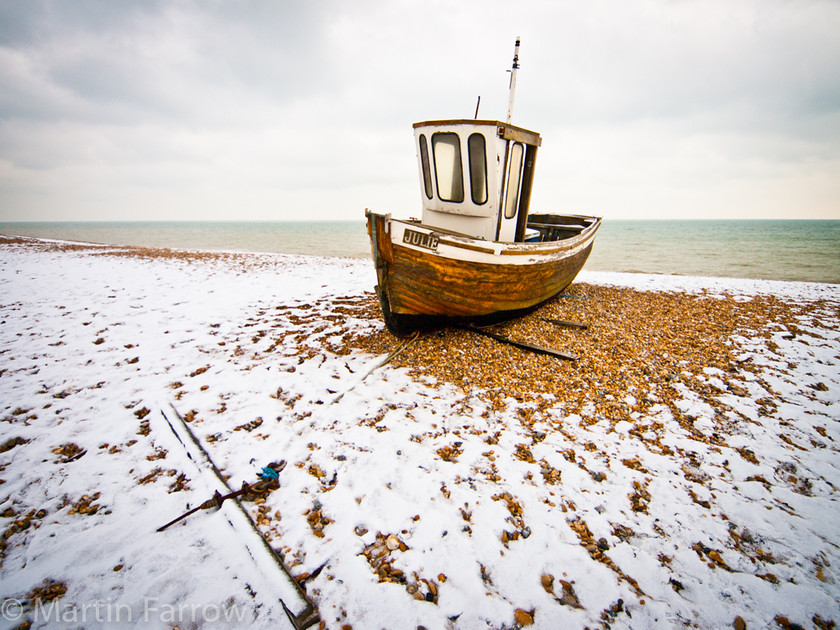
(682, 471)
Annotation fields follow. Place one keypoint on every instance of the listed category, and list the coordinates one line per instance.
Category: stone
(523, 617)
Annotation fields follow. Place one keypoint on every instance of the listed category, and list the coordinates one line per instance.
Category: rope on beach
(268, 473)
(384, 361)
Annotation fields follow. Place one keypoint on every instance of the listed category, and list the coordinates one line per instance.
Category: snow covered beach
(682, 478)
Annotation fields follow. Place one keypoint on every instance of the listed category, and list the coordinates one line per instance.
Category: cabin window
(478, 168)
(446, 148)
(427, 171)
(514, 179)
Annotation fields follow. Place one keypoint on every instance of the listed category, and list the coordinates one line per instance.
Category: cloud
(260, 109)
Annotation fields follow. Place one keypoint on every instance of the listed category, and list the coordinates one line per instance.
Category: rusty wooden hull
(426, 276)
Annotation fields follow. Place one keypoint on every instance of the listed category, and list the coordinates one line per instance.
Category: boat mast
(513, 70)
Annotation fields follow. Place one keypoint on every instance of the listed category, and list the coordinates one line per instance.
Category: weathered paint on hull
(418, 287)
(424, 284)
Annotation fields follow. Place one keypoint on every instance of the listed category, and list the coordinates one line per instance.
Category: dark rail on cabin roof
(506, 130)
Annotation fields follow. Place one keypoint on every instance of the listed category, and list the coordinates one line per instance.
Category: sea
(789, 250)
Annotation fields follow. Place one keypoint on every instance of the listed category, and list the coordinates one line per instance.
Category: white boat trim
(456, 247)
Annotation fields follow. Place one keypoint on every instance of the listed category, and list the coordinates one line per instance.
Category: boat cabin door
(515, 198)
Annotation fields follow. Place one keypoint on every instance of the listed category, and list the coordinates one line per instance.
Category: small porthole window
(446, 149)
(478, 168)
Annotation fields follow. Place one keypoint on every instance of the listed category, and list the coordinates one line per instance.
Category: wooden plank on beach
(524, 346)
(567, 324)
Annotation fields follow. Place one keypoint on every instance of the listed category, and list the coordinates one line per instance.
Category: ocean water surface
(769, 250)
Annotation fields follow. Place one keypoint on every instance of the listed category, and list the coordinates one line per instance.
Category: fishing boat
(476, 255)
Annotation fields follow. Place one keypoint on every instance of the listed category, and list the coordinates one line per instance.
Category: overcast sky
(287, 110)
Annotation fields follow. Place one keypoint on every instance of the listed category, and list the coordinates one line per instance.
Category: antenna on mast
(513, 70)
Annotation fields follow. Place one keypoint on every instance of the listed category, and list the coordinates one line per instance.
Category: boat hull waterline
(427, 276)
